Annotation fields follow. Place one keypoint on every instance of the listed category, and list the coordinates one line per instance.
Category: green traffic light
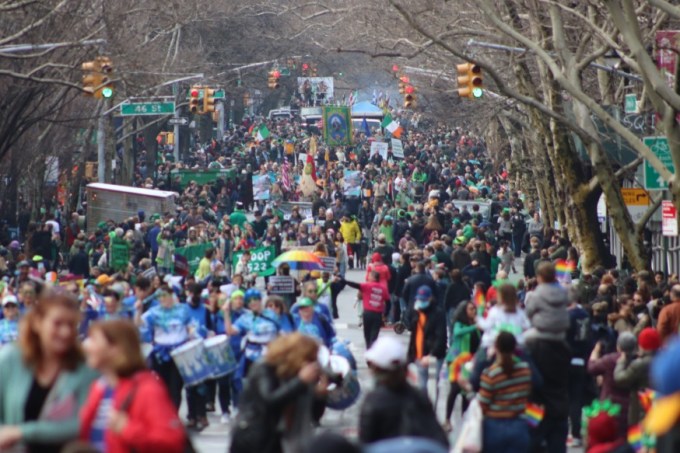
(477, 92)
(107, 92)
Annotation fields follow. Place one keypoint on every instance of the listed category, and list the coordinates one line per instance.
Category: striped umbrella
(299, 260)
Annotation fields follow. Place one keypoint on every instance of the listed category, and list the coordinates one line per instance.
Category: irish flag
(262, 133)
(392, 126)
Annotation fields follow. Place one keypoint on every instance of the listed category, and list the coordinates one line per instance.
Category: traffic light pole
(175, 145)
(101, 148)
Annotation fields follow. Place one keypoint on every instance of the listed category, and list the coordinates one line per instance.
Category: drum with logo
(192, 362)
(220, 355)
(341, 348)
(344, 389)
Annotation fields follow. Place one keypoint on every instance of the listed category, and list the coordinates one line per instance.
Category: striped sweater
(503, 396)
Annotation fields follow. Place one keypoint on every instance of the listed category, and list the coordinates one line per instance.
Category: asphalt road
(215, 438)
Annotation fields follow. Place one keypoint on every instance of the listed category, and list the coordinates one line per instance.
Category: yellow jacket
(350, 231)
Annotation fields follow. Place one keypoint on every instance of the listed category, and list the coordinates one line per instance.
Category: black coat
(261, 408)
(435, 333)
(456, 293)
(79, 264)
(388, 413)
(551, 359)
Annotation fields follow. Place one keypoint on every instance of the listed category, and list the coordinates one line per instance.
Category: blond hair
(289, 353)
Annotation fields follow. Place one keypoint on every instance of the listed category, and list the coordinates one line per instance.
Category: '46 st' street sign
(147, 108)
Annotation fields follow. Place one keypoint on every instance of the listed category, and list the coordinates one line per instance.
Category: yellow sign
(635, 197)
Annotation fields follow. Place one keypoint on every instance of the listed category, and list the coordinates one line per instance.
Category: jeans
(372, 321)
(170, 376)
(424, 374)
(502, 435)
(550, 436)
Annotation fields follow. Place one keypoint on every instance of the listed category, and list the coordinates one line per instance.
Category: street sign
(630, 104)
(180, 121)
(669, 219)
(637, 201)
(659, 145)
(147, 108)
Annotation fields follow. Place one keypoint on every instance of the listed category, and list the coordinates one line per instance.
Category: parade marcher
(313, 324)
(428, 336)
(9, 325)
(394, 408)
(128, 408)
(374, 295)
(167, 326)
(45, 368)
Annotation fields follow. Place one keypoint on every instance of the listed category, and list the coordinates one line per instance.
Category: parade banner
(351, 183)
(397, 149)
(281, 284)
(193, 254)
(337, 125)
(261, 186)
(379, 148)
(304, 207)
(260, 260)
(184, 177)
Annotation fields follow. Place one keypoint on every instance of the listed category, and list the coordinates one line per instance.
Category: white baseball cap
(387, 353)
(10, 299)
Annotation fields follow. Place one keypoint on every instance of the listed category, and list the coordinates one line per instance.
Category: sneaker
(447, 427)
(210, 407)
(575, 442)
(202, 424)
(225, 419)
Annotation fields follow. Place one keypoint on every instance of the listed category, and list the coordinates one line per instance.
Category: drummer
(314, 324)
(258, 326)
(167, 326)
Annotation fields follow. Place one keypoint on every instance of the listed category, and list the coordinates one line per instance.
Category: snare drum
(343, 395)
(220, 356)
(191, 362)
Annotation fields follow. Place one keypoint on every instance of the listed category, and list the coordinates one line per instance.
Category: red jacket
(153, 423)
(380, 267)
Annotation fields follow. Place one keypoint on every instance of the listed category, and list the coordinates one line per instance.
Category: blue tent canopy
(365, 108)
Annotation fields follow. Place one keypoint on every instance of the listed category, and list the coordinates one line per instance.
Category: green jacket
(63, 402)
(238, 218)
(460, 339)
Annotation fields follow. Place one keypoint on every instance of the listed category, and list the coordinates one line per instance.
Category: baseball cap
(305, 302)
(665, 411)
(237, 293)
(424, 293)
(10, 299)
(387, 353)
(24, 263)
(103, 280)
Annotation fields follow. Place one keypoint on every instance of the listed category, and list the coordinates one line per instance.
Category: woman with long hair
(464, 342)
(503, 396)
(128, 409)
(43, 379)
(276, 404)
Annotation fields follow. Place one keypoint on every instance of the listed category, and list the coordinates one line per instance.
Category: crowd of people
(90, 340)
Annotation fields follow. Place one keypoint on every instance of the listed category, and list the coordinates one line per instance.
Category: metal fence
(665, 250)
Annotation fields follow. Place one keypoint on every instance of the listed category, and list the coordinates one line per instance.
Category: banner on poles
(337, 126)
(193, 254)
(260, 260)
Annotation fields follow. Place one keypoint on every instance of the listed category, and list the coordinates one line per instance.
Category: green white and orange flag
(262, 133)
(393, 127)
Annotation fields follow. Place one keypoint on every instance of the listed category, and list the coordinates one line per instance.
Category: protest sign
(397, 149)
(351, 183)
(380, 148)
(260, 260)
(304, 207)
(328, 263)
(281, 284)
(261, 186)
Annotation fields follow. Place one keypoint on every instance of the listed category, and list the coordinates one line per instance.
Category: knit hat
(649, 339)
(603, 428)
(627, 342)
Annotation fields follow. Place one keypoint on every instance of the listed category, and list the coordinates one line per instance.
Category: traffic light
(409, 97)
(403, 82)
(305, 69)
(273, 79)
(470, 82)
(106, 82)
(194, 105)
(97, 81)
(208, 100)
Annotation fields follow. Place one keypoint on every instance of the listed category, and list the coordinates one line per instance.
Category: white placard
(397, 149)
(379, 147)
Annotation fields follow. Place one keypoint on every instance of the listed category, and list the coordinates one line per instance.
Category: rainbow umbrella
(299, 260)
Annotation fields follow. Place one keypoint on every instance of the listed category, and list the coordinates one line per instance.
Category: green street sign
(630, 104)
(147, 108)
(653, 180)
(285, 72)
